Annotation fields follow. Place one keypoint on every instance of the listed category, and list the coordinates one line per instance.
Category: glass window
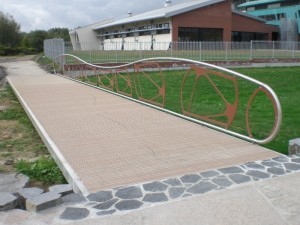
(268, 17)
(200, 34)
(273, 6)
(281, 16)
(248, 36)
(164, 31)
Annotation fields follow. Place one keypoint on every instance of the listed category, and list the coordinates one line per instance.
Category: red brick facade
(219, 16)
(246, 24)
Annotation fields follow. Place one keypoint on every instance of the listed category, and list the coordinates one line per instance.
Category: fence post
(251, 47)
(273, 52)
(293, 53)
(200, 48)
(226, 56)
(90, 52)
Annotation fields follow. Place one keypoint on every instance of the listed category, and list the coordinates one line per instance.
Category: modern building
(283, 13)
(193, 21)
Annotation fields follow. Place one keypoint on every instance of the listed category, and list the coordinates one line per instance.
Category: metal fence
(54, 48)
(120, 52)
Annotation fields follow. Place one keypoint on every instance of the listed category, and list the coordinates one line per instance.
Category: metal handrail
(262, 87)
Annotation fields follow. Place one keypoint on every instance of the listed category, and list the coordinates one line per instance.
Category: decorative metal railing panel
(210, 95)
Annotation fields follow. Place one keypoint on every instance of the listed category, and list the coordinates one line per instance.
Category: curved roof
(259, 2)
(165, 12)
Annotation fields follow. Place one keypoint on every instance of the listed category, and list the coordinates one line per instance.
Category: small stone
(129, 193)
(155, 197)
(239, 178)
(176, 192)
(74, 198)
(231, 170)
(297, 160)
(72, 213)
(208, 174)
(222, 181)
(101, 196)
(9, 162)
(190, 178)
(173, 182)
(294, 146)
(258, 174)
(186, 195)
(155, 186)
(7, 201)
(63, 189)
(106, 205)
(276, 171)
(281, 159)
(12, 182)
(255, 166)
(104, 213)
(202, 187)
(43, 201)
(26, 193)
(270, 163)
(128, 205)
(292, 166)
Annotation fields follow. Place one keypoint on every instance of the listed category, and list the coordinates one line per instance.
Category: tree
(59, 33)
(36, 39)
(10, 35)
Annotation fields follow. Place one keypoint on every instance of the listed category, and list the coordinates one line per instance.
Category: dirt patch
(18, 139)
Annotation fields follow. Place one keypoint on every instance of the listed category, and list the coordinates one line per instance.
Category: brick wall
(213, 16)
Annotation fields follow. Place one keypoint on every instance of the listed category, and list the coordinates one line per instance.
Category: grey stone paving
(12, 182)
(134, 197)
(109, 202)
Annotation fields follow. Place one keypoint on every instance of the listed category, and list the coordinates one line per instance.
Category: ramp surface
(107, 141)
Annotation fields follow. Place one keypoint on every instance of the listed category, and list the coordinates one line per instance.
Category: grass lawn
(206, 101)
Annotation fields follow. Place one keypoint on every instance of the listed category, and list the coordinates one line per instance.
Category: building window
(248, 36)
(268, 17)
(144, 33)
(250, 9)
(164, 31)
(200, 34)
(281, 16)
(273, 6)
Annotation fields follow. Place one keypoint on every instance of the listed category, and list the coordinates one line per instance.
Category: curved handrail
(262, 87)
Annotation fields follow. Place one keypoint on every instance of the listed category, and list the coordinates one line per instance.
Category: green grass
(206, 101)
(20, 142)
(43, 169)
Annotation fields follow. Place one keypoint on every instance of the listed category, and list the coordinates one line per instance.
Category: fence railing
(122, 52)
(203, 93)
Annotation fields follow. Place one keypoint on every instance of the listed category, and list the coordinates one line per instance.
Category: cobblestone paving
(143, 195)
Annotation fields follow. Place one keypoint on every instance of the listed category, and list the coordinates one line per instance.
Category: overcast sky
(46, 14)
